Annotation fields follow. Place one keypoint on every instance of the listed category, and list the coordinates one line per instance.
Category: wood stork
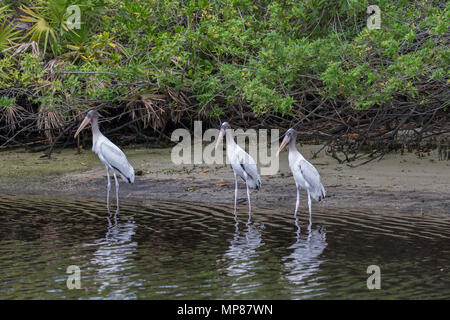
(305, 174)
(242, 163)
(113, 158)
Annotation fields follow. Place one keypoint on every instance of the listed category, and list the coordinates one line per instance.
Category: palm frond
(3, 11)
(50, 120)
(40, 26)
(24, 46)
(49, 23)
(10, 112)
(8, 34)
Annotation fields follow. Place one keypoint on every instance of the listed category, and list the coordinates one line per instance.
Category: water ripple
(167, 249)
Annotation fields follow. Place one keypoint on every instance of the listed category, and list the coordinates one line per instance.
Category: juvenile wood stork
(242, 163)
(305, 174)
(113, 158)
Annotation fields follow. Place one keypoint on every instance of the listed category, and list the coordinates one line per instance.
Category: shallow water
(170, 250)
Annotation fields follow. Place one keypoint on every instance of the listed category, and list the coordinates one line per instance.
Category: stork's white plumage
(305, 174)
(108, 153)
(242, 163)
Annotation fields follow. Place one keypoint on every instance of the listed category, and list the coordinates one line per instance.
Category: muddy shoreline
(400, 182)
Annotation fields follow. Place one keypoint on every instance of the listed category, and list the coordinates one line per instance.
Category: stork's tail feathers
(258, 184)
(322, 193)
(129, 176)
(254, 183)
(319, 193)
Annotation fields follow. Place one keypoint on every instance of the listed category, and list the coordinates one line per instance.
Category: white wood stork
(242, 163)
(305, 174)
(113, 158)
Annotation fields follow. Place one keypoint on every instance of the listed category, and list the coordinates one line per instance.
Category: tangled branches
(151, 67)
(348, 134)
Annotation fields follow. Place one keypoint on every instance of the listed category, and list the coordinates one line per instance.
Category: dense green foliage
(216, 56)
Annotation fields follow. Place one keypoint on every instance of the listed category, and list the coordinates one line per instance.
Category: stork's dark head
(291, 135)
(92, 114)
(223, 129)
(225, 126)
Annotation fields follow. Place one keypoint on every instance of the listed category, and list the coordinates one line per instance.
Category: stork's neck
(293, 147)
(230, 138)
(95, 129)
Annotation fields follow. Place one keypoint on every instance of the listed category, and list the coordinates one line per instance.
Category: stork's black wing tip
(258, 185)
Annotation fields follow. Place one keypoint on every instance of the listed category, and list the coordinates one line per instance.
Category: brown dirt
(402, 182)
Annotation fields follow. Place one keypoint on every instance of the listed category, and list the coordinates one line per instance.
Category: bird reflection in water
(242, 254)
(303, 263)
(114, 258)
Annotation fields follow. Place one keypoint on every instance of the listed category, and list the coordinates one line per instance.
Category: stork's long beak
(85, 122)
(283, 144)
(220, 137)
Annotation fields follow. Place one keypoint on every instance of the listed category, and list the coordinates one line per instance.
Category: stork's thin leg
(309, 207)
(298, 228)
(236, 224)
(117, 191)
(109, 224)
(249, 205)
(298, 201)
(108, 188)
(235, 193)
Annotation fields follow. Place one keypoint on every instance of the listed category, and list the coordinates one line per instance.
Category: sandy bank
(404, 182)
